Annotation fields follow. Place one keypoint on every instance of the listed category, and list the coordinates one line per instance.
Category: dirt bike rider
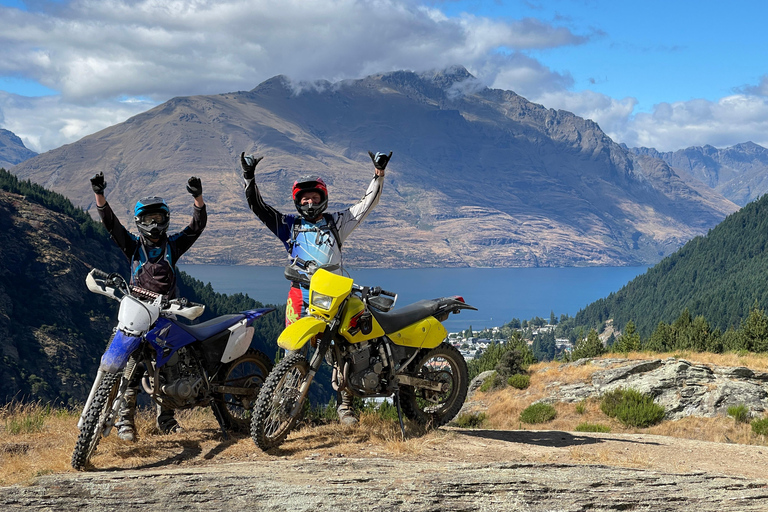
(153, 256)
(313, 235)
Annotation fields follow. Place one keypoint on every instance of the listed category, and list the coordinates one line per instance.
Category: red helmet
(310, 184)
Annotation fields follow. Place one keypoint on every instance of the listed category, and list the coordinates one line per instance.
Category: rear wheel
(279, 405)
(95, 421)
(248, 373)
(431, 408)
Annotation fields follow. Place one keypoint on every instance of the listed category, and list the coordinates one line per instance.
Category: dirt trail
(450, 470)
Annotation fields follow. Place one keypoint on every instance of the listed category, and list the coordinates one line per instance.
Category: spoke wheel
(248, 371)
(279, 407)
(95, 421)
(432, 408)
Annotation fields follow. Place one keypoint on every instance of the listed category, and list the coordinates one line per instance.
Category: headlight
(321, 301)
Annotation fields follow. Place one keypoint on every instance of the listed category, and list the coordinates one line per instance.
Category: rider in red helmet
(313, 234)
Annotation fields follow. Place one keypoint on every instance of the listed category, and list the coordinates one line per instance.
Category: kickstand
(219, 419)
(400, 414)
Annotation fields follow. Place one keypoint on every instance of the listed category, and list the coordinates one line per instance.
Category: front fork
(117, 403)
(314, 364)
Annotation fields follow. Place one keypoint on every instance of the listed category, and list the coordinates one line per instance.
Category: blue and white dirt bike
(209, 364)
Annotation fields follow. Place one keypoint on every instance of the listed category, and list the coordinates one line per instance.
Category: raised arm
(274, 220)
(347, 220)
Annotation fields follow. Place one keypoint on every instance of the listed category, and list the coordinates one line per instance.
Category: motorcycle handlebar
(100, 274)
(149, 294)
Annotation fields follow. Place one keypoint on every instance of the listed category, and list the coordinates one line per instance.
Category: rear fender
(296, 335)
(118, 352)
(240, 336)
(427, 333)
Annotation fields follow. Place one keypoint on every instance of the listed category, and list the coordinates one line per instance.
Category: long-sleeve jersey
(139, 253)
(314, 240)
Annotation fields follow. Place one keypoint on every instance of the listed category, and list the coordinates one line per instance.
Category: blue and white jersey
(314, 241)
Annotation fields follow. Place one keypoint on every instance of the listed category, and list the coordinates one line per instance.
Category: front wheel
(244, 376)
(280, 402)
(95, 421)
(431, 408)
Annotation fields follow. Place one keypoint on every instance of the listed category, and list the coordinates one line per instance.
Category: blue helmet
(152, 216)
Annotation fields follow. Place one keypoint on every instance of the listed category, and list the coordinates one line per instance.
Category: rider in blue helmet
(153, 255)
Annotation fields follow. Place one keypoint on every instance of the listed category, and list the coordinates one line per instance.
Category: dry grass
(35, 440)
(505, 406)
(26, 455)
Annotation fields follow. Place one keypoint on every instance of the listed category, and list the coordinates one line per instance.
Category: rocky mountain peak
(12, 149)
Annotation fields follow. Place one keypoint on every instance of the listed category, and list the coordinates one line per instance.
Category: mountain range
(12, 149)
(479, 176)
(740, 172)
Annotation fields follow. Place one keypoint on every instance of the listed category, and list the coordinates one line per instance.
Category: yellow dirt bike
(375, 352)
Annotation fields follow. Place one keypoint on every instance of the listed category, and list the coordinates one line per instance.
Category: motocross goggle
(155, 218)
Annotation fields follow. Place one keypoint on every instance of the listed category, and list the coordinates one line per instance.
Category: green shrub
(26, 423)
(760, 427)
(487, 385)
(519, 381)
(581, 407)
(632, 408)
(471, 420)
(538, 413)
(495, 381)
(592, 427)
(610, 401)
(511, 362)
(740, 413)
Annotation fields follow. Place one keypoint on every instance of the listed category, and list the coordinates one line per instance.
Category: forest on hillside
(721, 277)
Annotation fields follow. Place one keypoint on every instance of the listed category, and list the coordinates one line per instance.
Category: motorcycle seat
(207, 329)
(400, 318)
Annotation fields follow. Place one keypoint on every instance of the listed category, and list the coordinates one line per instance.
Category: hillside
(52, 329)
(740, 172)
(720, 276)
(479, 177)
(12, 149)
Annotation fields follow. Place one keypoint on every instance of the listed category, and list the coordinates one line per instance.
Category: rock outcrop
(682, 388)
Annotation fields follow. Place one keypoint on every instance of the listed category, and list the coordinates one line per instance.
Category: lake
(500, 294)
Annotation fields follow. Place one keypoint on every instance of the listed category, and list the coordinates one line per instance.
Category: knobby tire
(93, 425)
(277, 411)
(248, 371)
(433, 409)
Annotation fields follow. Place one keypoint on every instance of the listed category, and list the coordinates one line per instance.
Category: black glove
(380, 160)
(195, 187)
(98, 184)
(249, 163)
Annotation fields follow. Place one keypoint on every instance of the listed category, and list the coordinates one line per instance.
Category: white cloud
(48, 122)
(728, 121)
(93, 51)
(97, 51)
(671, 126)
(105, 48)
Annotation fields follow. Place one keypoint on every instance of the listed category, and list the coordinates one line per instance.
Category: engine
(364, 366)
(180, 382)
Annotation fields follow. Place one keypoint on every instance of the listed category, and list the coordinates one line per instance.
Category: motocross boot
(344, 410)
(126, 427)
(166, 422)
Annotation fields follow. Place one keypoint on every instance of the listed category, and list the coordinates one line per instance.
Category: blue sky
(667, 74)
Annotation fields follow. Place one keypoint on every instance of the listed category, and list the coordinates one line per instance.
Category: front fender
(300, 332)
(118, 352)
